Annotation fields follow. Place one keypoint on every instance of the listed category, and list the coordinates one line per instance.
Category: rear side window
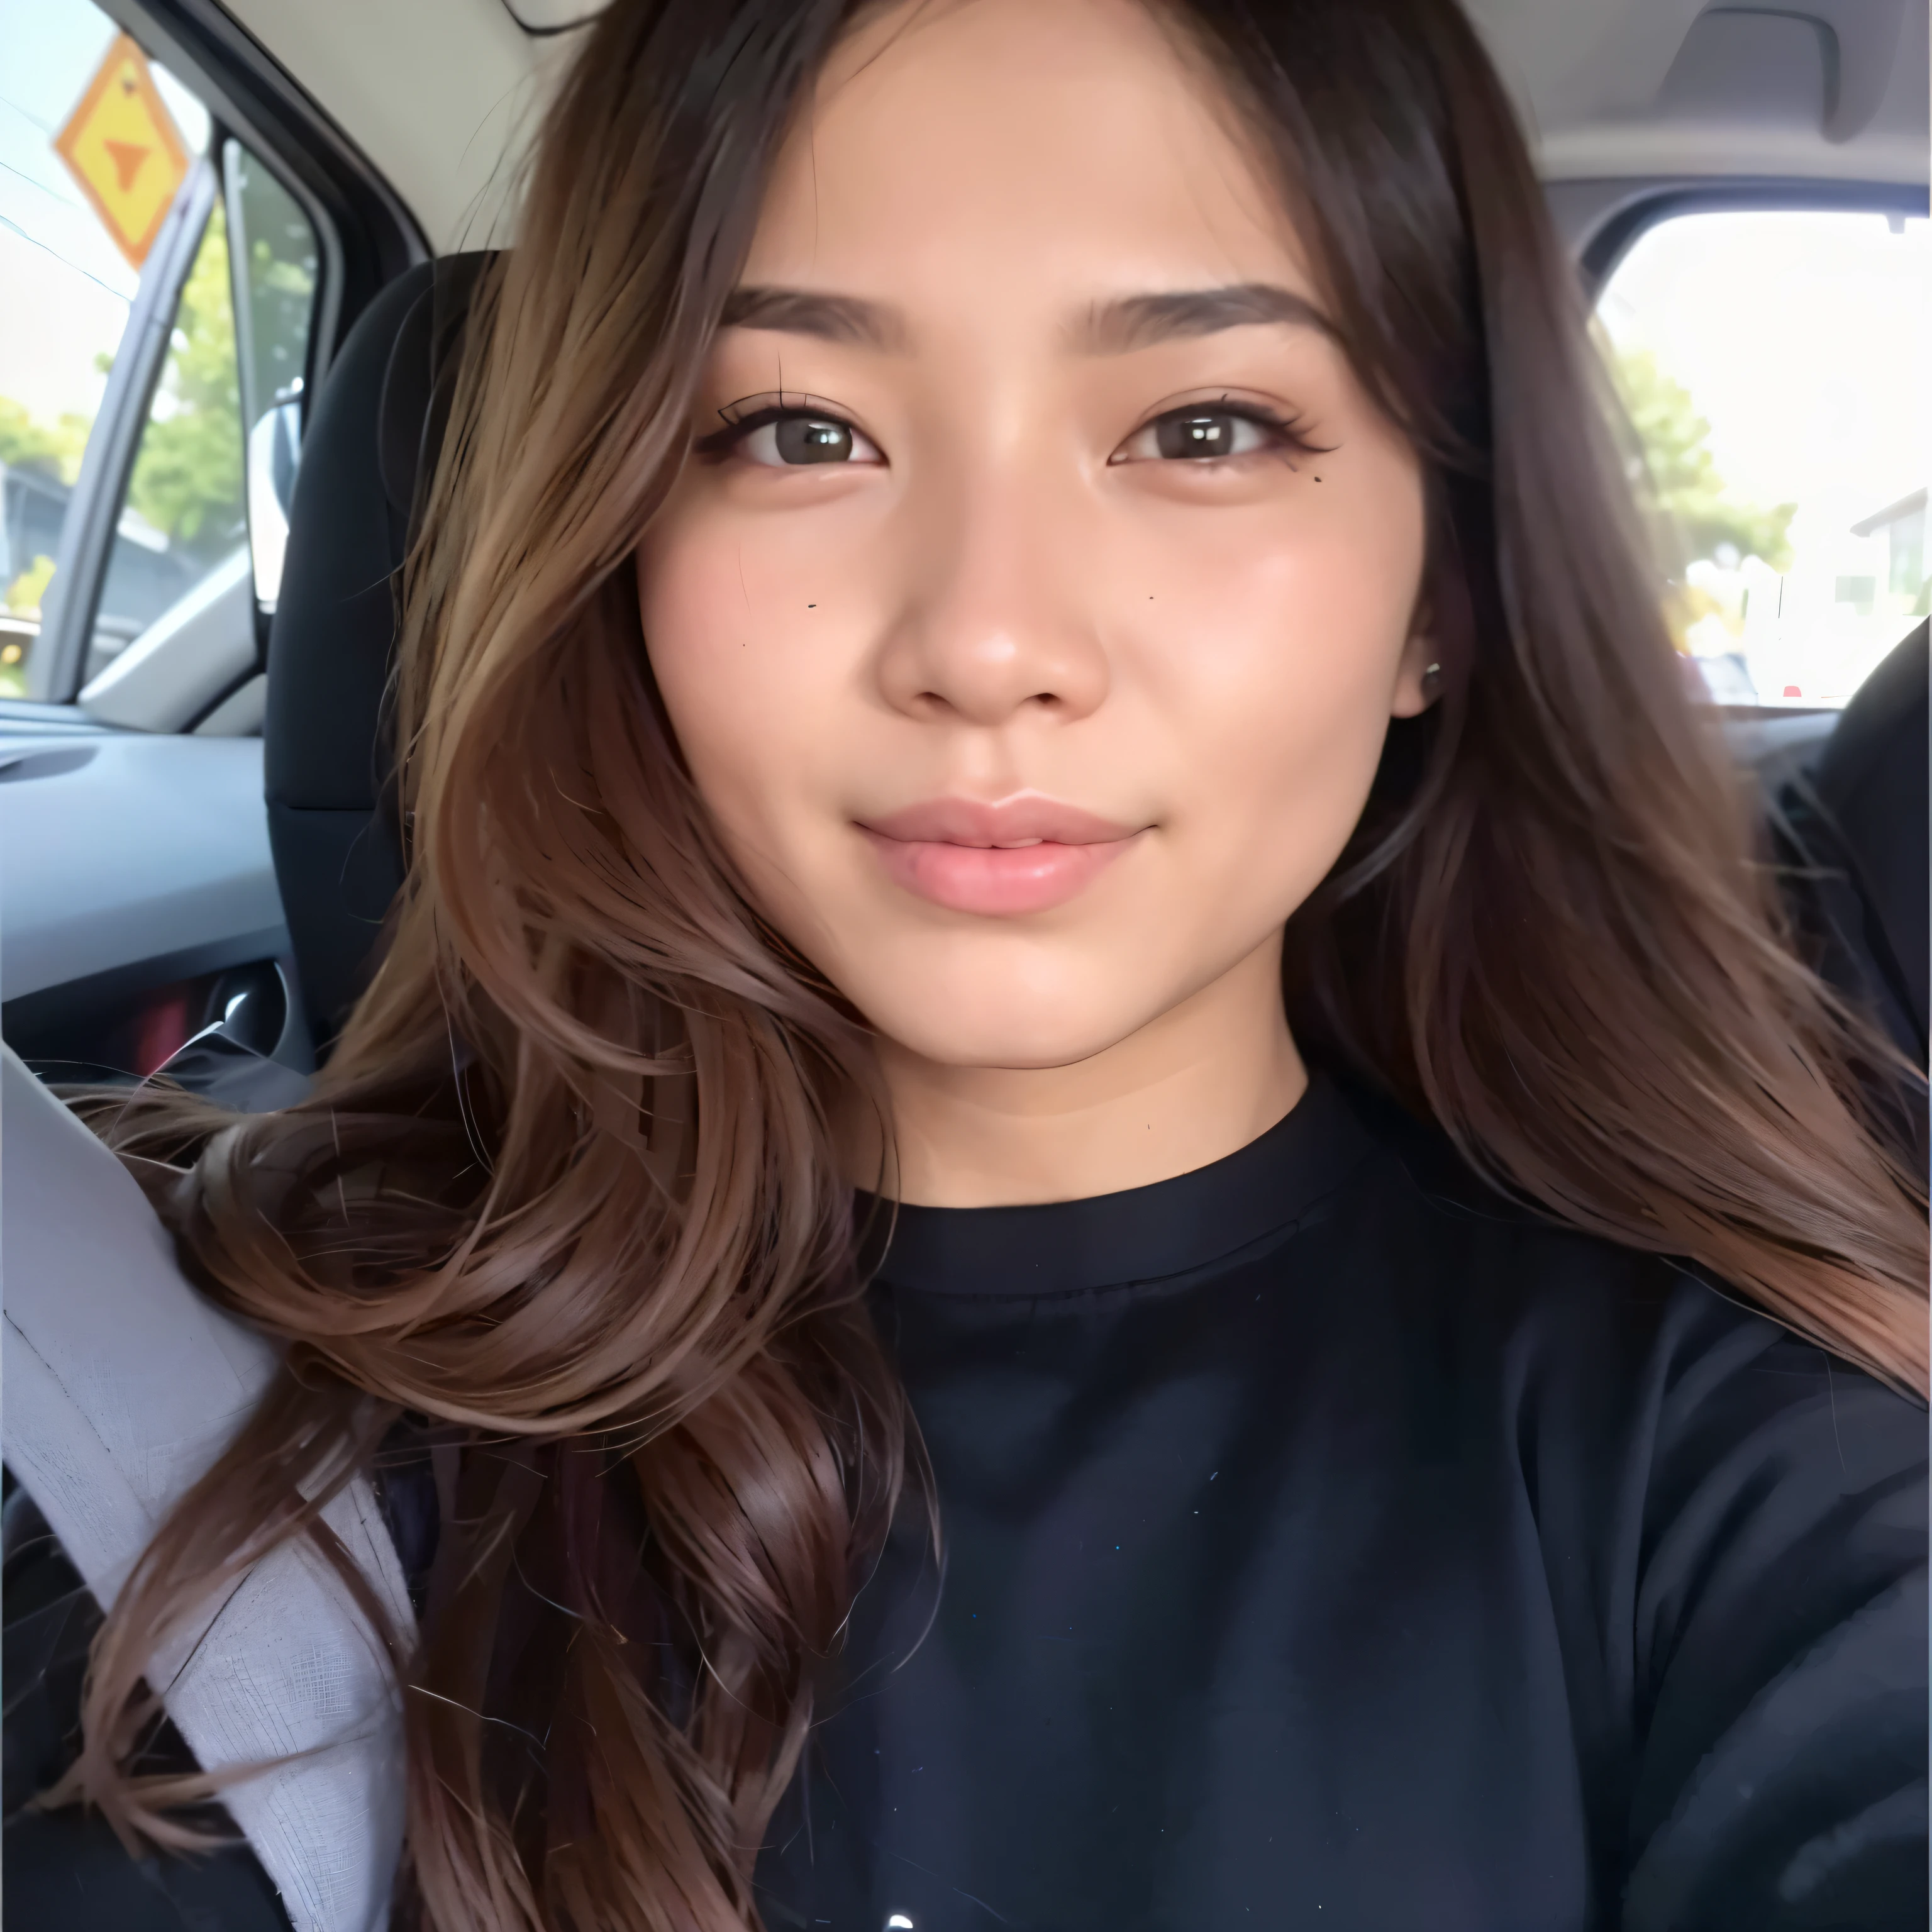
(1774, 367)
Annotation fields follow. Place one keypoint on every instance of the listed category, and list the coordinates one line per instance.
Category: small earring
(1431, 680)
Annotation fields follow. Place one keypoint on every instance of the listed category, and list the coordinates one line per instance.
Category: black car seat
(1872, 779)
(368, 453)
(374, 434)
(1850, 831)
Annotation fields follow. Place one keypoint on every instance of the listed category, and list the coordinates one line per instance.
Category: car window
(1774, 367)
(277, 271)
(183, 518)
(120, 198)
(69, 283)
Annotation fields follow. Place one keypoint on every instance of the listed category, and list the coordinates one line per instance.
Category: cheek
(726, 625)
(1279, 663)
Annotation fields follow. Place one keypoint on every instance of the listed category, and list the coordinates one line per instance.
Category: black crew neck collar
(1140, 1235)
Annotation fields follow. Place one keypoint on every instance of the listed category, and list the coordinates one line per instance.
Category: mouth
(1024, 854)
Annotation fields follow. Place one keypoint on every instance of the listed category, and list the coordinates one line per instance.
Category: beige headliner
(440, 94)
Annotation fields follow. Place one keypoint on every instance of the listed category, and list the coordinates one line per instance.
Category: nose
(992, 623)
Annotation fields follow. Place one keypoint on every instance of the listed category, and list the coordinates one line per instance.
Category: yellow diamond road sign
(123, 147)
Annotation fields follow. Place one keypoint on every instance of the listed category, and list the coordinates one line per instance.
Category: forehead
(962, 153)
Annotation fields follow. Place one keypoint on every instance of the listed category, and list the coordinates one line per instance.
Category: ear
(1418, 676)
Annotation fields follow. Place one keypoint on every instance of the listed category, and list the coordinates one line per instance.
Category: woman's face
(1032, 608)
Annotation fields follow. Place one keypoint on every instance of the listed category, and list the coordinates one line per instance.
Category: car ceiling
(442, 94)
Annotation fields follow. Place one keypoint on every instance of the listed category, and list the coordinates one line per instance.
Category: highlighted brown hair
(565, 1194)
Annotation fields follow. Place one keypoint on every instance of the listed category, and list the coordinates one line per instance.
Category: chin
(1019, 1032)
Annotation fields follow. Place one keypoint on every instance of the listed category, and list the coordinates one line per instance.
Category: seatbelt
(119, 1384)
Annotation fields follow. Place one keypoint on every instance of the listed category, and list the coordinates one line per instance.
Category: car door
(183, 240)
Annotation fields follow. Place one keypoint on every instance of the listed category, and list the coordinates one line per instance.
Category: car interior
(200, 835)
(219, 408)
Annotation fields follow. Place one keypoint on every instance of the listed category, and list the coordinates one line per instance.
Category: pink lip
(1024, 854)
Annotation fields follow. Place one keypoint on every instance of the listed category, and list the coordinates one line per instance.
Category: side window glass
(273, 249)
(146, 469)
(1774, 367)
(183, 527)
(206, 522)
(70, 267)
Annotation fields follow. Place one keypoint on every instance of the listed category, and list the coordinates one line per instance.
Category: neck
(1188, 1088)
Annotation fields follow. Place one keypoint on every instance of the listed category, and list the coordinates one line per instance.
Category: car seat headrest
(1872, 779)
(368, 451)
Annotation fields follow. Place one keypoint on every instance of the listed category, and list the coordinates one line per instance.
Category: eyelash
(720, 442)
(1288, 431)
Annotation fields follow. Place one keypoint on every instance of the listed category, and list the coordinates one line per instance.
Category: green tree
(187, 473)
(24, 593)
(280, 283)
(50, 449)
(1684, 475)
(54, 449)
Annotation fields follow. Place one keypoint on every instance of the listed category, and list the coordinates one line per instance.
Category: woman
(978, 541)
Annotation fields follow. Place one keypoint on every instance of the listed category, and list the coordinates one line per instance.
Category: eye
(792, 440)
(1206, 432)
(784, 437)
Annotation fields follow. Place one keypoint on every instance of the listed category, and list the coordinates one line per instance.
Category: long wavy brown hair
(565, 1200)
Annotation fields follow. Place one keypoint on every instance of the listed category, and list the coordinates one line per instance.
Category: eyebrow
(800, 312)
(1115, 328)
(1139, 322)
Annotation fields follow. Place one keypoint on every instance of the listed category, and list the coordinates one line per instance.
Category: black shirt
(1327, 1545)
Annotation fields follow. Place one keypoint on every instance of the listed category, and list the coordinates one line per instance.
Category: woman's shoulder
(65, 1867)
(1731, 1525)
(1595, 1328)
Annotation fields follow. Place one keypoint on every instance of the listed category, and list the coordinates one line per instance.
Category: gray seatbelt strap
(118, 1386)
